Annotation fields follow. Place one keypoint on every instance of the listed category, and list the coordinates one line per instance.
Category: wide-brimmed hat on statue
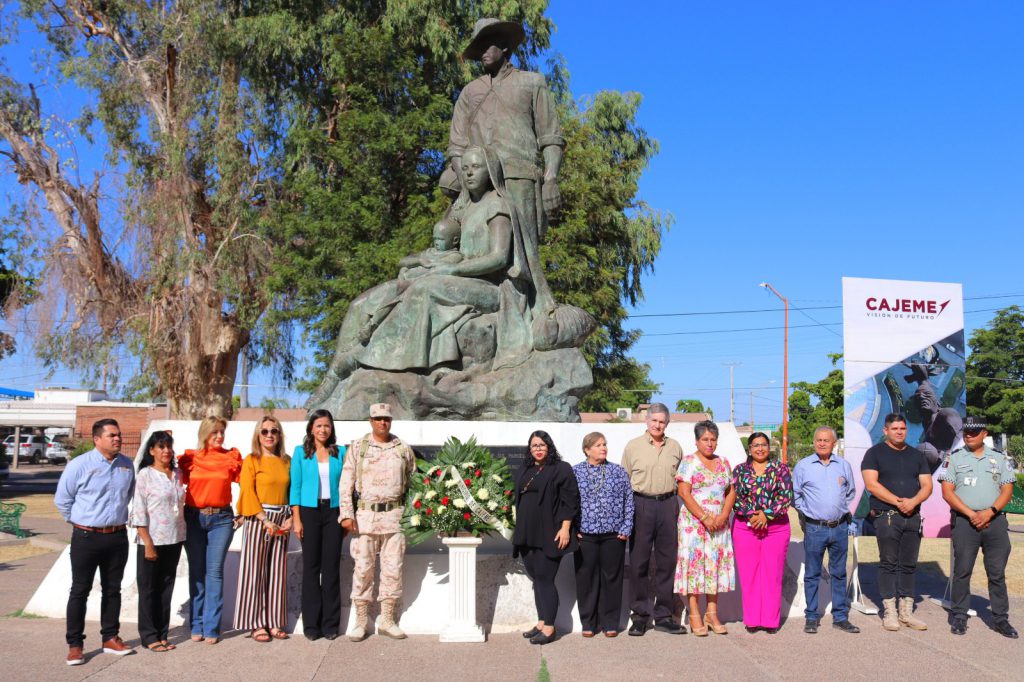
(486, 30)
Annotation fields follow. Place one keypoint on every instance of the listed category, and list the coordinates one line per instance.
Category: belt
(106, 530)
(377, 506)
(662, 496)
(324, 503)
(845, 518)
(210, 511)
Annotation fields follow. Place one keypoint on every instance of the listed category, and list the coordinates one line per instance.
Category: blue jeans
(818, 539)
(207, 539)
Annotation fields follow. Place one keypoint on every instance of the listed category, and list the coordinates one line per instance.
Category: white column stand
(462, 625)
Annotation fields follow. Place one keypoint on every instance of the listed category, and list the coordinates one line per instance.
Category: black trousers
(899, 542)
(321, 569)
(542, 570)
(995, 541)
(156, 585)
(654, 536)
(107, 552)
(599, 562)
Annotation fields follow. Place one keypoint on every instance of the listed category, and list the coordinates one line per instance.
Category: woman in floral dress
(705, 564)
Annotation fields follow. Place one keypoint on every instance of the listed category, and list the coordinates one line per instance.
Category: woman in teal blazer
(315, 473)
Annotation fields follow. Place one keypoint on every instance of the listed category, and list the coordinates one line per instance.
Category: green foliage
(435, 506)
(81, 447)
(816, 404)
(995, 372)
(606, 239)
(1015, 448)
(692, 406)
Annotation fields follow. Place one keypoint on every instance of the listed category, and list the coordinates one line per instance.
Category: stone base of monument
(547, 387)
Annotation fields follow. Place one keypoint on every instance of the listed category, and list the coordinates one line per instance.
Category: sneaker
(116, 646)
(846, 626)
(75, 656)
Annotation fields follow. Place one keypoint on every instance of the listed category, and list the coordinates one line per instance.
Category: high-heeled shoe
(698, 629)
(531, 633)
(541, 638)
(717, 629)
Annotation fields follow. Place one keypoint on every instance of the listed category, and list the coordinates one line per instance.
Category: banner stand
(854, 591)
(945, 602)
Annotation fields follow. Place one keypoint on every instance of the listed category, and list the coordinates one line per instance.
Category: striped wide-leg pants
(262, 576)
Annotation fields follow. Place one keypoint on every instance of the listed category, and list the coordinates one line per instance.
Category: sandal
(260, 635)
(709, 621)
(278, 633)
(197, 638)
(167, 644)
(212, 640)
(699, 629)
(157, 647)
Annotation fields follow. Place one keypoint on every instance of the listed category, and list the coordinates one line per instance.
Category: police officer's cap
(975, 424)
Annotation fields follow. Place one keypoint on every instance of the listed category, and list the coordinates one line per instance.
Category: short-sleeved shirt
(159, 506)
(898, 471)
(652, 471)
(978, 479)
(208, 475)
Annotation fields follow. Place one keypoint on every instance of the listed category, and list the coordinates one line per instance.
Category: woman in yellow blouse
(263, 500)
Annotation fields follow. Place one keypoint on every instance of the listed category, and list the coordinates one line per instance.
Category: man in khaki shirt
(651, 460)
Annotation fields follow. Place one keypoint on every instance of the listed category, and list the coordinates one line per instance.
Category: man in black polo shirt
(899, 480)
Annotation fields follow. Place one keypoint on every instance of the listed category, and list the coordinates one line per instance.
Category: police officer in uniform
(374, 479)
(977, 484)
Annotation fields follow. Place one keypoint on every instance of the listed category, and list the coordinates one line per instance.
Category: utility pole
(785, 371)
(732, 393)
(243, 391)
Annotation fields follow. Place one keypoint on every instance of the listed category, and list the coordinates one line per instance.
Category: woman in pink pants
(760, 533)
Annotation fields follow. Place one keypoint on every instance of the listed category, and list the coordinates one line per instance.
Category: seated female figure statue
(414, 324)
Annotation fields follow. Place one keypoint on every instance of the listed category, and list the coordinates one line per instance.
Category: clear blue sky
(801, 142)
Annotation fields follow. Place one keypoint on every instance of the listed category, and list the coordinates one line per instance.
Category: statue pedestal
(462, 625)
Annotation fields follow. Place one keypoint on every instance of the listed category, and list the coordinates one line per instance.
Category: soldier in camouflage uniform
(374, 479)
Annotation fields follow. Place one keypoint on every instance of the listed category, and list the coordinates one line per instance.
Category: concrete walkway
(33, 649)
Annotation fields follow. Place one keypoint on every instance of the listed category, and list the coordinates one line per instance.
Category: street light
(785, 372)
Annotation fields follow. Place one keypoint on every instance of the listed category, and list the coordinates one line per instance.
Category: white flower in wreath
(469, 465)
(451, 483)
(414, 521)
(441, 509)
(431, 494)
(492, 505)
(483, 494)
(460, 504)
(496, 478)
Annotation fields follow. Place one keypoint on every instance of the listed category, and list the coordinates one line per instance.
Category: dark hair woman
(760, 532)
(547, 503)
(316, 471)
(158, 514)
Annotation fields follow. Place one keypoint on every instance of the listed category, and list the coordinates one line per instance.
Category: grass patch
(22, 613)
(543, 675)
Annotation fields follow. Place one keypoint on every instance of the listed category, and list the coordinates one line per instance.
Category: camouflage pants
(365, 548)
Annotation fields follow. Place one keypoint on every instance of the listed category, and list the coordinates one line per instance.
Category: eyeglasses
(269, 432)
(539, 446)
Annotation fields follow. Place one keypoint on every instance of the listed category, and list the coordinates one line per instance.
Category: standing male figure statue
(512, 112)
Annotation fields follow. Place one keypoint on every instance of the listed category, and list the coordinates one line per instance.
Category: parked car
(33, 448)
(56, 452)
(4, 471)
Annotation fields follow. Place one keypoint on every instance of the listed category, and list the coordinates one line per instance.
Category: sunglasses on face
(269, 432)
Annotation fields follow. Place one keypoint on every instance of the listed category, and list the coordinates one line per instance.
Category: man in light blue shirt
(823, 489)
(93, 495)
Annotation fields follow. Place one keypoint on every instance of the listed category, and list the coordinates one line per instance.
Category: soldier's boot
(358, 633)
(890, 619)
(388, 626)
(906, 615)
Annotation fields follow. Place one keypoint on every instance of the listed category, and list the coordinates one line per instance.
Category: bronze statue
(475, 333)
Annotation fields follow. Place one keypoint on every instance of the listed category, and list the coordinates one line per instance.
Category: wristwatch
(994, 510)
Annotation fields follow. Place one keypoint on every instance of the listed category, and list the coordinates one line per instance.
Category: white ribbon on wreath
(478, 509)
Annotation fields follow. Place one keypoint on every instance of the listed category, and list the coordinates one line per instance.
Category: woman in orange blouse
(262, 600)
(208, 473)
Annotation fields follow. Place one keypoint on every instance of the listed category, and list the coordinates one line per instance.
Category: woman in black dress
(547, 503)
